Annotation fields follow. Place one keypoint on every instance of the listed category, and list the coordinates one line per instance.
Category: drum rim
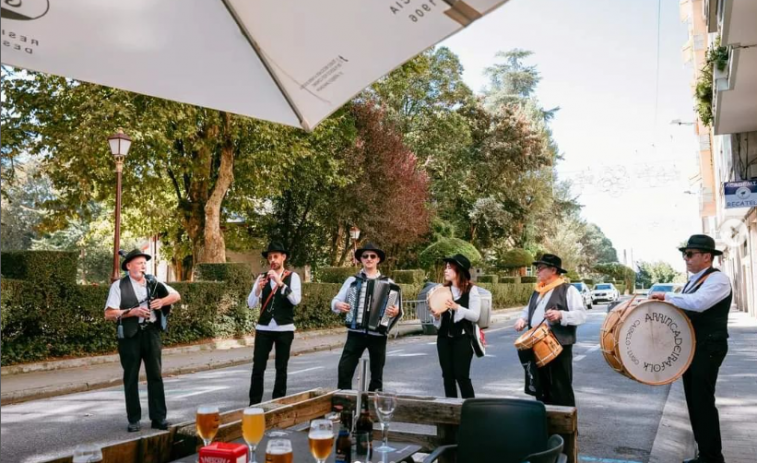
(616, 336)
(434, 290)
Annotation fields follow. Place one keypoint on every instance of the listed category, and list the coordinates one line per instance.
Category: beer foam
(207, 409)
(321, 434)
(253, 411)
(279, 451)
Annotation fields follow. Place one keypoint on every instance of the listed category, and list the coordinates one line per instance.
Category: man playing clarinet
(278, 291)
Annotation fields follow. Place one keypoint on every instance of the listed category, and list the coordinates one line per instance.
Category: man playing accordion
(371, 304)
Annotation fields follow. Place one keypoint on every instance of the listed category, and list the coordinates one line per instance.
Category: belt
(146, 325)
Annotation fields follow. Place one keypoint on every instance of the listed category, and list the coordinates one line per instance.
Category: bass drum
(652, 342)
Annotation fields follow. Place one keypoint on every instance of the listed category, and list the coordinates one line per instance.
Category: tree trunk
(215, 245)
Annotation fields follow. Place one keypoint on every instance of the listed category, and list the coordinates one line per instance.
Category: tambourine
(437, 298)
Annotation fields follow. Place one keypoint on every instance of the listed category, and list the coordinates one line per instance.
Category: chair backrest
(555, 445)
(501, 430)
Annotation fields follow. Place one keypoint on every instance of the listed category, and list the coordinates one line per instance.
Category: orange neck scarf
(543, 289)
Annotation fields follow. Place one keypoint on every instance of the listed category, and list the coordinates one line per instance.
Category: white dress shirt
(472, 312)
(295, 296)
(575, 315)
(140, 291)
(715, 288)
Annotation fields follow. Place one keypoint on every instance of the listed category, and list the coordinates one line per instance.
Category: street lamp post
(354, 234)
(119, 147)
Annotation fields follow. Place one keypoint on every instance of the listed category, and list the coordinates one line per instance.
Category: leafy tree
(656, 272)
(431, 257)
(180, 169)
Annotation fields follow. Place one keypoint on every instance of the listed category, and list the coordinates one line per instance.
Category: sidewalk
(736, 398)
(49, 379)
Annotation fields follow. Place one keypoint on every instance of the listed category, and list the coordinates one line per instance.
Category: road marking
(593, 349)
(303, 371)
(604, 460)
(490, 355)
(419, 354)
(203, 390)
(578, 358)
(431, 343)
(394, 351)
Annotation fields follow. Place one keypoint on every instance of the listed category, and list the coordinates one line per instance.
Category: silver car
(585, 292)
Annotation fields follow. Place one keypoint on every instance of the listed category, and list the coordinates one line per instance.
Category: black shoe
(161, 424)
(134, 427)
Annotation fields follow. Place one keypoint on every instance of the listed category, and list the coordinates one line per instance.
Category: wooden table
(301, 448)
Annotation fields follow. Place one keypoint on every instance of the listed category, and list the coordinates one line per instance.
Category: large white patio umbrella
(289, 61)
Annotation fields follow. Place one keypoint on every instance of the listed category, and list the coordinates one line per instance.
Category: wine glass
(279, 448)
(321, 437)
(207, 420)
(253, 427)
(385, 402)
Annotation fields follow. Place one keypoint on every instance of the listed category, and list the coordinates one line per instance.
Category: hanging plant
(716, 56)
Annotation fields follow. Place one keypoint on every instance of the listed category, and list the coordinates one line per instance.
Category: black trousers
(556, 379)
(145, 347)
(455, 356)
(353, 350)
(264, 342)
(699, 385)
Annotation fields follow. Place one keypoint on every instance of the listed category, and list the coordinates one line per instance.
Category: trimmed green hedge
(509, 279)
(508, 295)
(488, 279)
(528, 280)
(409, 277)
(59, 267)
(516, 258)
(335, 274)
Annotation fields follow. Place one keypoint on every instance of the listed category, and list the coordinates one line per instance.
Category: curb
(674, 440)
(408, 328)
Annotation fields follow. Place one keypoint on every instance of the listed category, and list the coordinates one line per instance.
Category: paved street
(618, 418)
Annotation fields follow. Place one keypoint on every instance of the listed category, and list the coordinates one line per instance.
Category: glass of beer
(279, 450)
(321, 437)
(253, 427)
(208, 419)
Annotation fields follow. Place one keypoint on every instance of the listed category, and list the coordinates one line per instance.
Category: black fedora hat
(133, 254)
(551, 260)
(701, 243)
(370, 247)
(461, 261)
(275, 246)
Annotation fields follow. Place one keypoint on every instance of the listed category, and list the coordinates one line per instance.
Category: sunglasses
(369, 256)
(690, 254)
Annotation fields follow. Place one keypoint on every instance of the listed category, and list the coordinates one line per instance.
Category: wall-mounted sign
(740, 194)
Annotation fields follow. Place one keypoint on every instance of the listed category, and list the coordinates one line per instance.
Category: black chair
(553, 455)
(501, 431)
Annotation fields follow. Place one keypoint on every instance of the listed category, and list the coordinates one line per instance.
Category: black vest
(129, 300)
(279, 308)
(566, 335)
(713, 322)
(449, 327)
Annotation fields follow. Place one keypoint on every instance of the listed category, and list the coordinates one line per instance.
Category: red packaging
(221, 452)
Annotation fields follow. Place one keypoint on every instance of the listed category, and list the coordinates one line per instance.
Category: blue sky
(597, 60)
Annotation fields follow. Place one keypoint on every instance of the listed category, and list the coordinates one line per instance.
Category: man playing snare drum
(560, 305)
(706, 300)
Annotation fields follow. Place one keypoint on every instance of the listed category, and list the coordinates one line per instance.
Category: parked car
(659, 288)
(585, 294)
(604, 292)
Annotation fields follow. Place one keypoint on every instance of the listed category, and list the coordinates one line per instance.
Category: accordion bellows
(369, 300)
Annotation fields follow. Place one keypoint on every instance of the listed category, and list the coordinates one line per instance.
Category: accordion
(368, 301)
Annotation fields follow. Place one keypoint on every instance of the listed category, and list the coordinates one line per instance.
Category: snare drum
(652, 343)
(543, 342)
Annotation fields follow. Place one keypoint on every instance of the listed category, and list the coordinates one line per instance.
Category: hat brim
(131, 258)
(459, 265)
(379, 252)
(560, 270)
(282, 251)
(714, 252)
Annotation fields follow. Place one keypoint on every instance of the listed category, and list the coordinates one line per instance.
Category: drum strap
(698, 284)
